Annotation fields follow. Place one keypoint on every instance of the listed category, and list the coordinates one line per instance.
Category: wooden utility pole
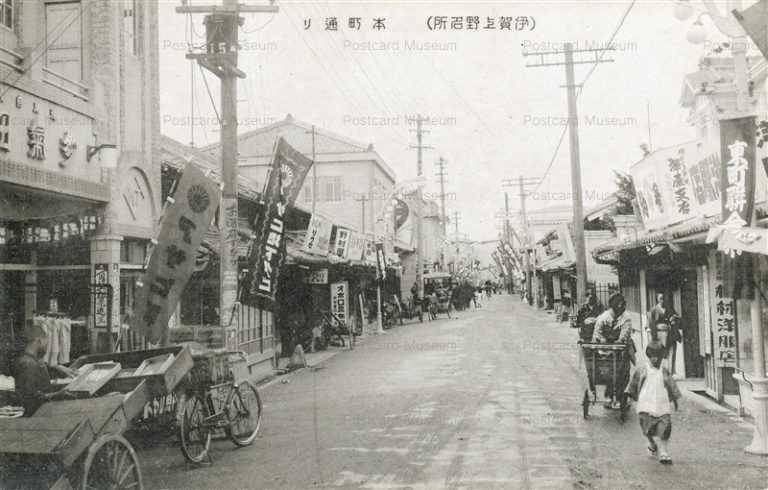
(314, 171)
(441, 174)
(573, 133)
(362, 201)
(419, 205)
(222, 24)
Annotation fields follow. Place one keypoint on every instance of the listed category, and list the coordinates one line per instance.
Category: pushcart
(79, 443)
(444, 303)
(607, 365)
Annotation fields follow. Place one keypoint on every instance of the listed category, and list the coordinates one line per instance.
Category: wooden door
(689, 305)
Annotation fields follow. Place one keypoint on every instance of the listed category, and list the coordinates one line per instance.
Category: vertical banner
(184, 225)
(737, 148)
(101, 299)
(381, 262)
(356, 247)
(289, 168)
(340, 300)
(341, 244)
(723, 314)
(318, 236)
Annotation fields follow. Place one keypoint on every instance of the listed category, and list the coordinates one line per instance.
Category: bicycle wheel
(244, 413)
(194, 434)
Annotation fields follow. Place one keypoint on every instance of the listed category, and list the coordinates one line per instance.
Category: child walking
(654, 390)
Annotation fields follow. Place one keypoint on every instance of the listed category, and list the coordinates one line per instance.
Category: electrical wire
(581, 88)
(210, 95)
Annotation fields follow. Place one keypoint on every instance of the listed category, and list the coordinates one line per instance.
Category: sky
(491, 118)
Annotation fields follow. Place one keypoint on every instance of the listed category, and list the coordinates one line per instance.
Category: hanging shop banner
(401, 213)
(381, 262)
(678, 183)
(723, 313)
(761, 142)
(183, 228)
(737, 177)
(318, 236)
(341, 244)
(317, 276)
(289, 168)
(340, 300)
(357, 246)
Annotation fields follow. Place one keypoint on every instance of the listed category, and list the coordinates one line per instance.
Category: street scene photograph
(379, 244)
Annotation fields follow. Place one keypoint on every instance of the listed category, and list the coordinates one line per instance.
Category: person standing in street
(654, 390)
(587, 315)
(664, 326)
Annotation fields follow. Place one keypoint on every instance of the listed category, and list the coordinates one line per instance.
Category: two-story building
(79, 188)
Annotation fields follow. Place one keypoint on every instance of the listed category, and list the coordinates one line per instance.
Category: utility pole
(420, 147)
(573, 134)
(222, 24)
(362, 201)
(441, 174)
(314, 171)
(530, 274)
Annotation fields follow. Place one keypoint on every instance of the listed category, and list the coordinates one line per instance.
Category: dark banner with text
(267, 251)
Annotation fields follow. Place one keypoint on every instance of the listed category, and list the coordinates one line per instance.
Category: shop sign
(341, 244)
(357, 246)
(318, 236)
(51, 231)
(737, 146)
(317, 276)
(289, 168)
(381, 262)
(723, 315)
(101, 301)
(172, 262)
(36, 142)
(676, 184)
(340, 300)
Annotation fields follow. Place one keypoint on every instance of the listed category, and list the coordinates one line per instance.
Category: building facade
(76, 216)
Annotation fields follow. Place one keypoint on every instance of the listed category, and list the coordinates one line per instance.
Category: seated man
(614, 326)
(33, 382)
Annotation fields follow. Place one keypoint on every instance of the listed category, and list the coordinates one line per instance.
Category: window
(64, 39)
(6, 13)
(328, 189)
(129, 26)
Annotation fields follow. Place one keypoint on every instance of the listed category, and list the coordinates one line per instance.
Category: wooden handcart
(79, 443)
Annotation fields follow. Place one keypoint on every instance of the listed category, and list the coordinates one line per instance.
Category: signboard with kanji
(737, 146)
(318, 236)
(340, 300)
(677, 183)
(173, 259)
(723, 314)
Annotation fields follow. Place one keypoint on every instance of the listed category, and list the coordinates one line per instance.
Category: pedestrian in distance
(654, 389)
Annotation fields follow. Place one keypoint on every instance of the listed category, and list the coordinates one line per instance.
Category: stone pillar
(105, 269)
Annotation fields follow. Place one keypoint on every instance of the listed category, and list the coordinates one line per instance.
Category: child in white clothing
(654, 389)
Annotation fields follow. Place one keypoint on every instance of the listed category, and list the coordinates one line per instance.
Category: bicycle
(209, 404)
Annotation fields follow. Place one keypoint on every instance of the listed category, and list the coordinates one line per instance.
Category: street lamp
(697, 34)
(683, 10)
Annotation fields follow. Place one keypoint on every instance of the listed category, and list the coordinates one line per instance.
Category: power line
(581, 88)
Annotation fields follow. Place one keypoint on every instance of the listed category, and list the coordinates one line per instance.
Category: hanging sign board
(318, 236)
(317, 276)
(173, 258)
(340, 300)
(356, 247)
(341, 245)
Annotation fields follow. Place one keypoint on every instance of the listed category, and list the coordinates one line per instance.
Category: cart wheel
(194, 434)
(585, 404)
(244, 413)
(111, 463)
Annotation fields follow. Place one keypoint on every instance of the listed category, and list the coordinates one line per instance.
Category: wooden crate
(92, 377)
(161, 381)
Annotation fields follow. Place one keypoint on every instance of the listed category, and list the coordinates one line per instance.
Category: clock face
(135, 199)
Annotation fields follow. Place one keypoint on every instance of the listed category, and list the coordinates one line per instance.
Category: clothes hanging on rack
(58, 329)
